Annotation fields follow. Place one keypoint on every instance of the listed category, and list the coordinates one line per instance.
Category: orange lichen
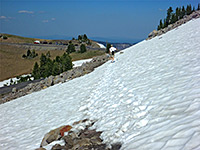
(65, 129)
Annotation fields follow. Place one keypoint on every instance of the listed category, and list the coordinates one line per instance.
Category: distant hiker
(112, 53)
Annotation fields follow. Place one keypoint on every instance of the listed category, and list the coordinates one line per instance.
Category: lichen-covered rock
(65, 129)
(51, 136)
(58, 79)
(59, 147)
(49, 81)
(153, 33)
(14, 90)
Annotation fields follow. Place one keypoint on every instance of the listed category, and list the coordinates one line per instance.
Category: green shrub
(83, 48)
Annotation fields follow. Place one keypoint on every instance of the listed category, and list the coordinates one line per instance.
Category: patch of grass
(12, 64)
(86, 55)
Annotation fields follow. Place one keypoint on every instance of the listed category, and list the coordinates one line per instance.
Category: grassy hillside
(12, 64)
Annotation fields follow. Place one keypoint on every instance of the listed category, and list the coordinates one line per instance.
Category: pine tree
(182, 12)
(173, 20)
(108, 46)
(71, 48)
(28, 53)
(43, 60)
(83, 48)
(193, 9)
(188, 10)
(161, 24)
(79, 37)
(169, 15)
(198, 8)
(85, 37)
(66, 62)
(165, 24)
(36, 71)
(178, 12)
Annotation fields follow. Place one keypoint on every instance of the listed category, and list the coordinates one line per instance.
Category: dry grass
(12, 64)
(86, 55)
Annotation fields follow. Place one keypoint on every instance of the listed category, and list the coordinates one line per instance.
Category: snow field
(148, 99)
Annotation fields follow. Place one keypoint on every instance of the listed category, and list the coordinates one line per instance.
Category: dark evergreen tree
(178, 13)
(85, 38)
(198, 8)
(83, 48)
(182, 12)
(43, 60)
(70, 48)
(55, 69)
(28, 53)
(48, 67)
(193, 9)
(160, 26)
(169, 15)
(79, 37)
(188, 10)
(165, 24)
(36, 71)
(67, 62)
(173, 20)
(108, 46)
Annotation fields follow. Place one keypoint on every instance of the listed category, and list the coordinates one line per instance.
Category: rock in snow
(148, 99)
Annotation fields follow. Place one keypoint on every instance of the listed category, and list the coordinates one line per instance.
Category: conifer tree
(182, 12)
(82, 48)
(43, 60)
(173, 20)
(80, 37)
(169, 15)
(198, 8)
(36, 71)
(108, 46)
(85, 37)
(188, 10)
(193, 9)
(178, 12)
(160, 26)
(70, 48)
(165, 24)
(28, 53)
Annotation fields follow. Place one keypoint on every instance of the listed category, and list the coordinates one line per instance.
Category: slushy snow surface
(149, 99)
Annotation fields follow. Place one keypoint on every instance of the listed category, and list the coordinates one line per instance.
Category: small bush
(83, 48)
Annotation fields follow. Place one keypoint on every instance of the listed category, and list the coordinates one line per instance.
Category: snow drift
(148, 99)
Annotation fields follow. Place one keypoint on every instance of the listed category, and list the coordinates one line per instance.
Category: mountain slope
(148, 99)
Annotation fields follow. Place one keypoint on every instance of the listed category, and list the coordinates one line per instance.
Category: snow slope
(148, 99)
(101, 45)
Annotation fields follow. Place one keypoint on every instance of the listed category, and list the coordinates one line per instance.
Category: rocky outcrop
(185, 19)
(54, 135)
(85, 68)
(78, 138)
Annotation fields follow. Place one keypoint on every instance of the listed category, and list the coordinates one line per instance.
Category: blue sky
(114, 20)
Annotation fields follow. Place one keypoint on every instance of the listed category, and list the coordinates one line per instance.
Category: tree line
(30, 54)
(71, 48)
(177, 15)
(53, 67)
